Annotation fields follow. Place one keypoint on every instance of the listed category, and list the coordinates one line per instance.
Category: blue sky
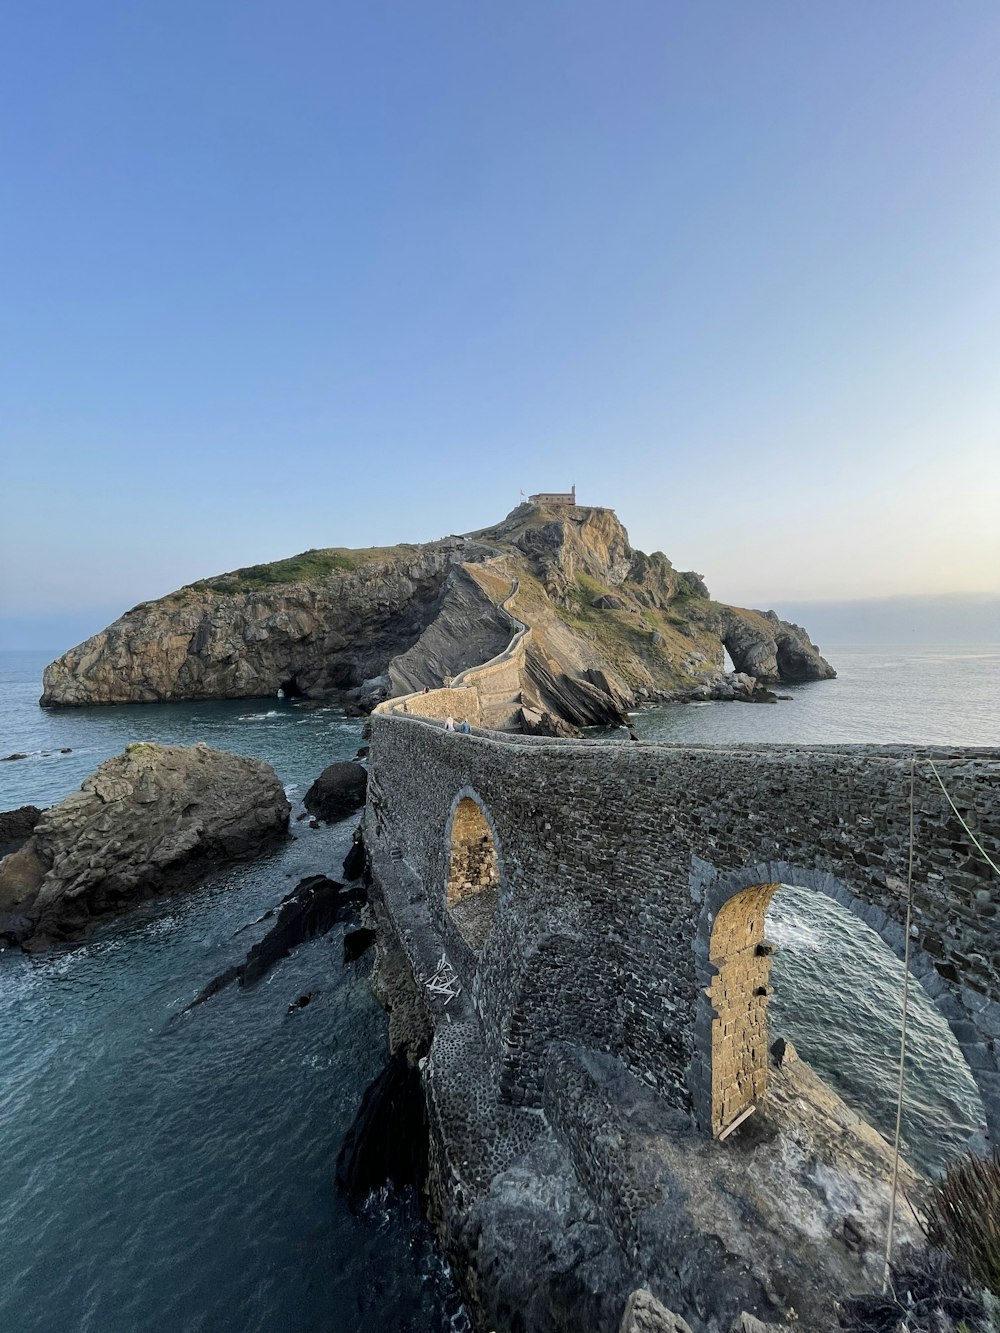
(278, 276)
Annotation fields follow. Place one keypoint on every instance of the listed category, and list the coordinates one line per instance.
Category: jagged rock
(693, 584)
(355, 860)
(313, 908)
(387, 1144)
(337, 792)
(16, 827)
(153, 819)
(609, 602)
(770, 649)
(9, 758)
(534, 723)
(645, 1314)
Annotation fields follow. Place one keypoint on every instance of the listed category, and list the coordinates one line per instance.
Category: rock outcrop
(153, 819)
(16, 827)
(337, 792)
(609, 627)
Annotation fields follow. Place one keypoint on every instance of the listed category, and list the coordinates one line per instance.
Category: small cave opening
(289, 689)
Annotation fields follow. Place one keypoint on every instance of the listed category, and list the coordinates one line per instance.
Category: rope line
(972, 837)
(902, 1040)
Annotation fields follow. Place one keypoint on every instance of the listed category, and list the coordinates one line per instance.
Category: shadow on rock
(387, 1144)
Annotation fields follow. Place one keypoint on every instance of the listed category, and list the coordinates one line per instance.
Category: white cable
(975, 841)
(902, 1042)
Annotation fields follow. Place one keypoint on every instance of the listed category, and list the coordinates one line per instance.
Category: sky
(286, 275)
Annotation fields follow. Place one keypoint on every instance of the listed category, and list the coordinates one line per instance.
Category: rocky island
(154, 819)
(604, 627)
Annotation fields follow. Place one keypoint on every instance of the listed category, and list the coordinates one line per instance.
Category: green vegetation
(308, 567)
(964, 1218)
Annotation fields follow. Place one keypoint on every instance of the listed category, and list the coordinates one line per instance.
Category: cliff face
(609, 625)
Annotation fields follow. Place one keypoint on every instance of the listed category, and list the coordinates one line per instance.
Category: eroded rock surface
(152, 819)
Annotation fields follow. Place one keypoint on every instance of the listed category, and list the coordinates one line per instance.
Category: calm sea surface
(181, 1178)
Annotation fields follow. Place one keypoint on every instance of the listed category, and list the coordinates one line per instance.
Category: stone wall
(617, 861)
(457, 702)
(741, 961)
(489, 695)
(473, 875)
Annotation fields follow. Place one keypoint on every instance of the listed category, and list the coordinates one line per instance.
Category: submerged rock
(154, 819)
(337, 792)
(313, 907)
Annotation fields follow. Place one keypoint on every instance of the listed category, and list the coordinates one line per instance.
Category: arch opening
(473, 874)
(834, 987)
(290, 689)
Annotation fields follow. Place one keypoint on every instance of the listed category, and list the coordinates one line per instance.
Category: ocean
(179, 1176)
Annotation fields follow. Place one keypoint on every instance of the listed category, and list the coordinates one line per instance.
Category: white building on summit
(554, 497)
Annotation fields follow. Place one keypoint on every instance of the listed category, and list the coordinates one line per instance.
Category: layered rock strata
(153, 819)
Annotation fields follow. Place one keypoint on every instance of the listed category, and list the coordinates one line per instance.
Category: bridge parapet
(617, 860)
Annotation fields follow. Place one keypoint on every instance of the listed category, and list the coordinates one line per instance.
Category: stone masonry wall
(440, 704)
(617, 859)
(489, 695)
(738, 993)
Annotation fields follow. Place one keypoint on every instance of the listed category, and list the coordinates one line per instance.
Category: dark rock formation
(153, 819)
(468, 629)
(337, 792)
(16, 827)
(387, 1144)
(354, 861)
(313, 907)
(357, 942)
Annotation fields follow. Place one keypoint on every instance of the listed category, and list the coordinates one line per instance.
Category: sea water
(178, 1175)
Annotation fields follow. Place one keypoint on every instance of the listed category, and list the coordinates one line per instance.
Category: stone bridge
(612, 895)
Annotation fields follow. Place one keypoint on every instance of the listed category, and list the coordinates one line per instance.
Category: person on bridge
(450, 724)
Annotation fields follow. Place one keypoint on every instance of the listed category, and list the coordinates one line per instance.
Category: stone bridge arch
(473, 869)
(732, 965)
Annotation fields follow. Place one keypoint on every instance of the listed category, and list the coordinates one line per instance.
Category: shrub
(964, 1218)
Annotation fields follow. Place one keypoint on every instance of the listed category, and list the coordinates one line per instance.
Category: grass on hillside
(308, 567)
(626, 636)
